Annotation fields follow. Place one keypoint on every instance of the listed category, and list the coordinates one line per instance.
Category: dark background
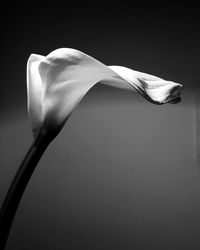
(122, 174)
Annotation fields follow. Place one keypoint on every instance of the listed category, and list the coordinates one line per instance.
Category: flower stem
(19, 184)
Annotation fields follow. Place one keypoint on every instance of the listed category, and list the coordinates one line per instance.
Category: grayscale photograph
(100, 126)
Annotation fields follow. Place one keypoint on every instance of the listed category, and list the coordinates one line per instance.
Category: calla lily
(57, 83)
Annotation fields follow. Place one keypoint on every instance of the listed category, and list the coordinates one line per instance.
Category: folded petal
(153, 88)
(68, 74)
(34, 91)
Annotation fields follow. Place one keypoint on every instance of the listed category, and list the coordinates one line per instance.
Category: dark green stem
(19, 184)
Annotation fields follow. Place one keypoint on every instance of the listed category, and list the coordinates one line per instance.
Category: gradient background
(122, 174)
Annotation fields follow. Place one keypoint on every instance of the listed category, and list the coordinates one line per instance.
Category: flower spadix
(57, 83)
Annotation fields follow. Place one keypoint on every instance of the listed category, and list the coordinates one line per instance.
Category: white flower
(57, 83)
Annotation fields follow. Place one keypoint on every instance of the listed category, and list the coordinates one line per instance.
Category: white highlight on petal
(58, 82)
(34, 91)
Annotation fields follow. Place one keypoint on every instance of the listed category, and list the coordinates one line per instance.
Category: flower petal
(153, 88)
(68, 74)
(34, 91)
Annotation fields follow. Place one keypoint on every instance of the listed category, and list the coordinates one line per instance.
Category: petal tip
(175, 96)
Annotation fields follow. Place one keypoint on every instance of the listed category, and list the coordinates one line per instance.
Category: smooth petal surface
(64, 76)
(34, 91)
